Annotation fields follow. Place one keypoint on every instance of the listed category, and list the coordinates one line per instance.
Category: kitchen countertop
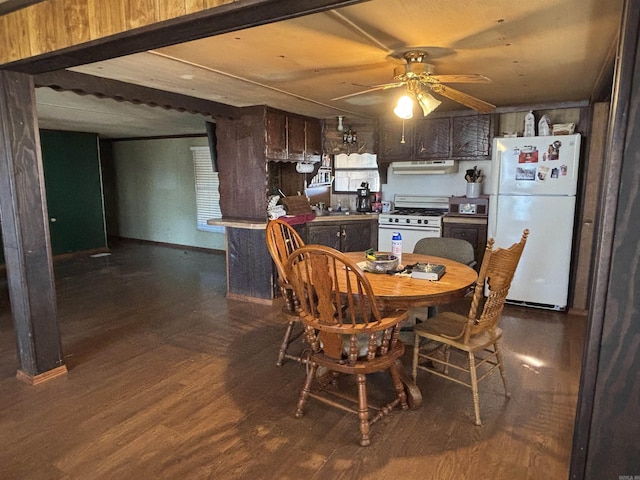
(462, 218)
(254, 224)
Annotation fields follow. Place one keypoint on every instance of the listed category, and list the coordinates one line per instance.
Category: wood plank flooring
(170, 380)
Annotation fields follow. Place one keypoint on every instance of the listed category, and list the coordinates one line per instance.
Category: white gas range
(415, 217)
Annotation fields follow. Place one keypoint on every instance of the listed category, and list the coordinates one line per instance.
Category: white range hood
(425, 167)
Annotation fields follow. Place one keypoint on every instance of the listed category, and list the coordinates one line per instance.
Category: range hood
(425, 167)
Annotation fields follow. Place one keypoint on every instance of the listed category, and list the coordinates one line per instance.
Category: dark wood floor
(170, 380)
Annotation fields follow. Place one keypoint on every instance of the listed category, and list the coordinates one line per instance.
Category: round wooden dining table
(402, 292)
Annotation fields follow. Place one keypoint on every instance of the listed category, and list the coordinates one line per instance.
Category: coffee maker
(363, 201)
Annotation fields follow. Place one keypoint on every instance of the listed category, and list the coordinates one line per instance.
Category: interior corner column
(25, 231)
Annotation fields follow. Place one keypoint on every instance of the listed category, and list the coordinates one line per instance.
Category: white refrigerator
(533, 185)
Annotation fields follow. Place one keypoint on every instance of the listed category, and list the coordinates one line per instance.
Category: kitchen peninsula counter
(254, 224)
(251, 275)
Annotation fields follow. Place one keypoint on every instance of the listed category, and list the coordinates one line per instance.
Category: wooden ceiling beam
(83, 84)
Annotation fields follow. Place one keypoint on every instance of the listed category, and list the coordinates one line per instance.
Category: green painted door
(73, 185)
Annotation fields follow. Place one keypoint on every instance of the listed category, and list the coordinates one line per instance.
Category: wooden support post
(25, 231)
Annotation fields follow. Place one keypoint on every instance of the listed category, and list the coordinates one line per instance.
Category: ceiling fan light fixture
(427, 102)
(340, 125)
(404, 108)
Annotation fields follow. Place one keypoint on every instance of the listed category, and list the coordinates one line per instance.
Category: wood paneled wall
(56, 24)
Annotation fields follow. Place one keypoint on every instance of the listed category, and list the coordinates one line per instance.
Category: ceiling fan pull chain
(402, 139)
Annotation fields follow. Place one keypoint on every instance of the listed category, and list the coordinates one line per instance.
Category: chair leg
(474, 387)
(503, 373)
(363, 410)
(306, 389)
(447, 354)
(285, 343)
(398, 385)
(416, 352)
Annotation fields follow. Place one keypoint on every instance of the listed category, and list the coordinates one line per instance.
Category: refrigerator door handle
(492, 216)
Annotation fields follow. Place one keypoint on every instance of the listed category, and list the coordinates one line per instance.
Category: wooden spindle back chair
(477, 333)
(347, 332)
(282, 240)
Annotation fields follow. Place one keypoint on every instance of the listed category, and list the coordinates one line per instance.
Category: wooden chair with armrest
(478, 333)
(282, 240)
(346, 331)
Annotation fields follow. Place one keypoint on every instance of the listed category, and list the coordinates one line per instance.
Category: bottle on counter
(396, 246)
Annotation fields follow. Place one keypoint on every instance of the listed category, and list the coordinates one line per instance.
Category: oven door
(410, 236)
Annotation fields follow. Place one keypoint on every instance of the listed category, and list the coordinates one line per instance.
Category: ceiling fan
(418, 77)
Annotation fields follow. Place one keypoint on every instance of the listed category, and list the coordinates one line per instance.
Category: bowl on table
(381, 262)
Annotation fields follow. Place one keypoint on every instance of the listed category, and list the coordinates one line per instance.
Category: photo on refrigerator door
(542, 173)
(553, 152)
(528, 154)
(526, 173)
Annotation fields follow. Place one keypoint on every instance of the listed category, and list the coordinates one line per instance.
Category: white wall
(451, 184)
(156, 192)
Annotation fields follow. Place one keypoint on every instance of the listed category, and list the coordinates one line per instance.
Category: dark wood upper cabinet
(292, 138)
(438, 137)
(432, 138)
(296, 143)
(313, 140)
(276, 129)
(472, 136)
(257, 155)
(396, 140)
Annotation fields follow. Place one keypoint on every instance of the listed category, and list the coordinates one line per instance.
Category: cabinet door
(356, 236)
(295, 139)
(391, 140)
(472, 136)
(432, 138)
(329, 235)
(276, 125)
(313, 140)
(466, 232)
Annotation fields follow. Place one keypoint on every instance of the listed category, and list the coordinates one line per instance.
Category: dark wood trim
(214, 21)
(612, 168)
(158, 137)
(83, 84)
(42, 377)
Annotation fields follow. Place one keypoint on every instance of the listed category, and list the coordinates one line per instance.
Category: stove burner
(420, 212)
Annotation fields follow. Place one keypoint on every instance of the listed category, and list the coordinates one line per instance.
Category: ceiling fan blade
(463, 98)
(462, 78)
(374, 88)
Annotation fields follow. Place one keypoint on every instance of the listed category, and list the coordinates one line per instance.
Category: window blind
(207, 193)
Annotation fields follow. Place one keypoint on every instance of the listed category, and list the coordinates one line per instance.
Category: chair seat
(362, 365)
(450, 324)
